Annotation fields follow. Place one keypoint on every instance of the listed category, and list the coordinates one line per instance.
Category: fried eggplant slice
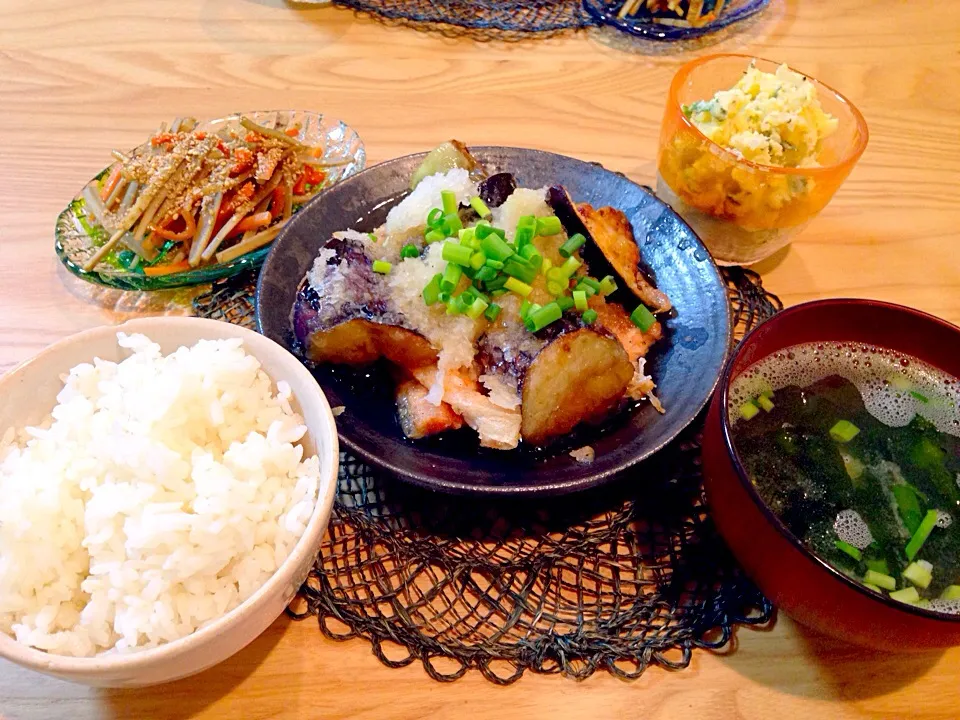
(419, 417)
(343, 314)
(581, 376)
(608, 230)
(614, 319)
(446, 156)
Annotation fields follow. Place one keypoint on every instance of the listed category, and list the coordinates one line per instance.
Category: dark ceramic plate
(685, 364)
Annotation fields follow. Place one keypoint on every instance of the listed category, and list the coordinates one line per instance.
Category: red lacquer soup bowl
(799, 582)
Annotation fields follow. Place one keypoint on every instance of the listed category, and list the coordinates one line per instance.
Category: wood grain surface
(79, 77)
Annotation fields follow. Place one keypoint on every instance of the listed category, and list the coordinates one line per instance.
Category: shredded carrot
(254, 222)
(162, 139)
(317, 152)
(300, 185)
(251, 137)
(200, 135)
(188, 232)
(223, 148)
(167, 269)
(111, 182)
(314, 176)
(276, 204)
(244, 162)
(293, 131)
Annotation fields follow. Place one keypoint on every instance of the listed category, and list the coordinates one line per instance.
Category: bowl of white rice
(164, 488)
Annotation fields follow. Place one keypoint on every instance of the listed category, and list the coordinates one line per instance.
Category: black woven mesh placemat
(618, 578)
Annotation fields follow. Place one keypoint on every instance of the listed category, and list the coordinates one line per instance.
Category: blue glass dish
(644, 25)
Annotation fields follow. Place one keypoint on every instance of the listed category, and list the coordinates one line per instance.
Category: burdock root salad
(750, 165)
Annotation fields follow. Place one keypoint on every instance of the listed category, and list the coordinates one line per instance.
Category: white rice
(160, 494)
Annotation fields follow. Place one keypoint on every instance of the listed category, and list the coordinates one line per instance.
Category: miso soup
(856, 449)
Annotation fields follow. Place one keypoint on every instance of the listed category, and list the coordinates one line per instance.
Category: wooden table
(79, 77)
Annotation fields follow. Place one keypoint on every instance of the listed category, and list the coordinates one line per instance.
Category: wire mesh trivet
(618, 578)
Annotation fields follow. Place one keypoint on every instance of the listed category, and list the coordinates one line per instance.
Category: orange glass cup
(744, 211)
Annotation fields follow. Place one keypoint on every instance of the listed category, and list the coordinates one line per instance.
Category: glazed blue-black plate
(685, 364)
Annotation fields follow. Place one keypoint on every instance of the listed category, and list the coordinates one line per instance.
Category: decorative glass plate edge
(645, 28)
(343, 142)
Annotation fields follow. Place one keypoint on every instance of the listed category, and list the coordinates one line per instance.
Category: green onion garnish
(549, 225)
(589, 316)
(556, 288)
(456, 253)
(518, 268)
(434, 218)
(431, 293)
(580, 300)
(485, 274)
(950, 592)
(409, 251)
(477, 308)
(844, 431)
(517, 286)
(495, 264)
(451, 277)
(480, 206)
(452, 225)
(494, 247)
(382, 266)
(921, 535)
(546, 266)
(919, 396)
(497, 283)
(524, 236)
(908, 595)
(525, 309)
(373, 238)
(468, 237)
(542, 317)
(456, 306)
(608, 286)
(878, 565)
(449, 199)
(569, 267)
(880, 580)
(748, 410)
(444, 296)
(591, 283)
(849, 550)
(477, 261)
(531, 255)
(642, 318)
(573, 243)
(492, 312)
(908, 506)
(485, 229)
(433, 236)
(919, 573)
(873, 587)
(565, 302)
(766, 403)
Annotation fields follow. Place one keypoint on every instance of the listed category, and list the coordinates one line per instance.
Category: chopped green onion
(518, 287)
(433, 236)
(844, 431)
(950, 592)
(497, 283)
(444, 297)
(919, 573)
(477, 260)
(921, 535)
(765, 403)
(524, 236)
(494, 247)
(495, 264)
(855, 469)
(608, 286)
(451, 277)
(449, 200)
(573, 243)
(456, 253)
(908, 506)
(580, 300)
(565, 302)
(485, 229)
(542, 317)
(589, 316)
(531, 255)
(431, 293)
(556, 288)
(767, 393)
(477, 203)
(373, 238)
(518, 268)
(456, 306)
(592, 283)
(849, 550)
(477, 308)
(873, 587)
(525, 309)
(492, 312)
(485, 274)
(919, 396)
(382, 266)
(469, 272)
(468, 295)
(748, 410)
(642, 318)
(452, 224)
(549, 225)
(546, 266)
(409, 251)
(880, 580)
(878, 565)
(569, 267)
(527, 221)
(434, 218)
(467, 236)
(908, 595)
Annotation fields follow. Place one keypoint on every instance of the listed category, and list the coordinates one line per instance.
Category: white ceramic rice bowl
(28, 393)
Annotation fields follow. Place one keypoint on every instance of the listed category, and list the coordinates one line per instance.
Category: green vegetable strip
(908, 595)
(542, 317)
(518, 287)
(766, 403)
(580, 300)
(919, 396)
(493, 312)
(456, 253)
(908, 506)
(451, 277)
(494, 247)
(880, 580)
(480, 206)
(549, 225)
(642, 318)
(849, 550)
(878, 565)
(608, 286)
(589, 317)
(748, 410)
(382, 267)
(921, 535)
(449, 199)
(431, 293)
(573, 243)
(409, 251)
(844, 431)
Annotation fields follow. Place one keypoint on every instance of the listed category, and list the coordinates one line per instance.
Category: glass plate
(76, 241)
(643, 25)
